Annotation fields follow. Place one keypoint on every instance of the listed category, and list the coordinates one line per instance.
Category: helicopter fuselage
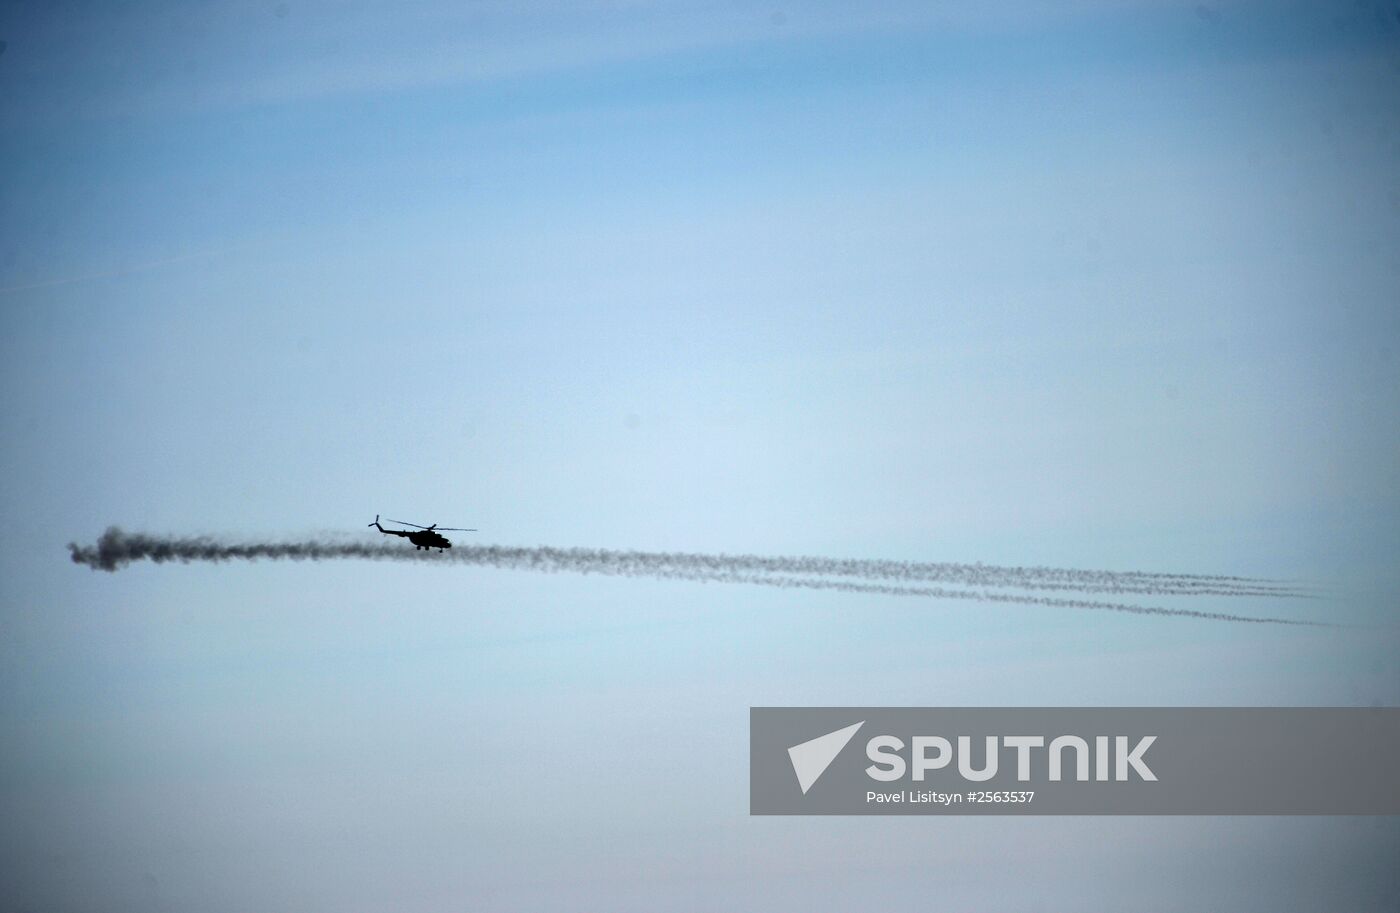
(428, 539)
(421, 538)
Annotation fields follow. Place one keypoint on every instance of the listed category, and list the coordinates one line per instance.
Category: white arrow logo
(811, 759)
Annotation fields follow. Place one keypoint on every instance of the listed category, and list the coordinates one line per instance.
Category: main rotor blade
(458, 529)
(401, 523)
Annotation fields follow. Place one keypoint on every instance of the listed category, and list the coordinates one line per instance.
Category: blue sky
(1092, 285)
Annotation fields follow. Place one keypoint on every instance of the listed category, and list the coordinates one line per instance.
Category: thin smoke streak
(966, 574)
(883, 589)
(548, 558)
(116, 549)
(983, 596)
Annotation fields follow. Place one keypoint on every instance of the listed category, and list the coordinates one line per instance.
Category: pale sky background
(1089, 284)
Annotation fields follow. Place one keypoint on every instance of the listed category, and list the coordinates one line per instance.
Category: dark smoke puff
(116, 549)
(108, 555)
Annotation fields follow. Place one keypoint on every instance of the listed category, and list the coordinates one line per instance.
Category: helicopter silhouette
(424, 537)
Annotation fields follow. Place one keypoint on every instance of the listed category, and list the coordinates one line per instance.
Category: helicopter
(424, 537)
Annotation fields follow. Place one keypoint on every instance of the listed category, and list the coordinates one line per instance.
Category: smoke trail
(962, 574)
(116, 549)
(545, 558)
(984, 596)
